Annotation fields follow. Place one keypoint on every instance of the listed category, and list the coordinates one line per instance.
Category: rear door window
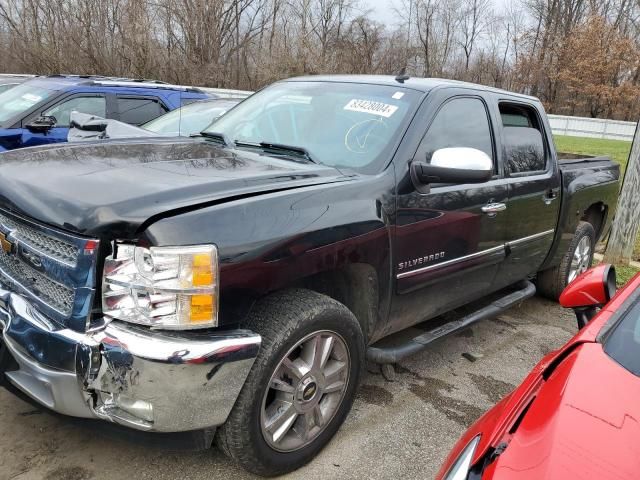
(139, 110)
(523, 139)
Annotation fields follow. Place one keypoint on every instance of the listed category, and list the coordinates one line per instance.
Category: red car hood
(584, 424)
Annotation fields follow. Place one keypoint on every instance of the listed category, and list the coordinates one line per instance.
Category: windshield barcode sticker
(374, 108)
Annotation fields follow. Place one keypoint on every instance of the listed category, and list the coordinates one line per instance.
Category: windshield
(190, 119)
(20, 99)
(6, 86)
(339, 124)
(623, 342)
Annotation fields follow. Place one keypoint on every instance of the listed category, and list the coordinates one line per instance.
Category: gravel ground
(401, 429)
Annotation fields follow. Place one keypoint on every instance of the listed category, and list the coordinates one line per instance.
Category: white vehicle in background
(188, 120)
(226, 92)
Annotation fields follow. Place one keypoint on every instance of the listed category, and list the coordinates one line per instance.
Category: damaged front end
(133, 376)
(83, 366)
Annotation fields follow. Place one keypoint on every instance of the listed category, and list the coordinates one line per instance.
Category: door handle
(549, 196)
(493, 208)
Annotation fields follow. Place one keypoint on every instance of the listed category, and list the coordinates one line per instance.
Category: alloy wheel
(305, 391)
(581, 260)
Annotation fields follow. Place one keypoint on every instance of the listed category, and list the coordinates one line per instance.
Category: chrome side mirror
(454, 165)
(462, 159)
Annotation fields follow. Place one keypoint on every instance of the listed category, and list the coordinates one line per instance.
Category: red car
(577, 414)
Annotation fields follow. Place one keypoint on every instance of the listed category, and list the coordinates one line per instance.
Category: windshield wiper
(279, 148)
(219, 137)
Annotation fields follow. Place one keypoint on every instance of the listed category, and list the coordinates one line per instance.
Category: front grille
(54, 269)
(53, 293)
(54, 247)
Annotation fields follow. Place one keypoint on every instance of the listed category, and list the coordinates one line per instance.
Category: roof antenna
(402, 76)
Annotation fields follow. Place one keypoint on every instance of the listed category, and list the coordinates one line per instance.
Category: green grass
(618, 150)
(624, 273)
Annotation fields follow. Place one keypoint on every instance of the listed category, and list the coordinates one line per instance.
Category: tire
(551, 282)
(284, 320)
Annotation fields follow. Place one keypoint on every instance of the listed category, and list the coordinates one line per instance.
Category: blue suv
(37, 111)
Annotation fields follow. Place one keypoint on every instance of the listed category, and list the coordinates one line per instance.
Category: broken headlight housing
(162, 287)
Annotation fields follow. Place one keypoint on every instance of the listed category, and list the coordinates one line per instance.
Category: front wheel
(301, 386)
(577, 260)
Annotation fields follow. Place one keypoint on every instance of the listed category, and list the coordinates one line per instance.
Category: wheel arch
(356, 286)
(596, 215)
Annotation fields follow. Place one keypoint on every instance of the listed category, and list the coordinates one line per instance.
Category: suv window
(137, 111)
(461, 122)
(93, 105)
(522, 137)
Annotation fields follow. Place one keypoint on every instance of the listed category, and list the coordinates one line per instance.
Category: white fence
(592, 127)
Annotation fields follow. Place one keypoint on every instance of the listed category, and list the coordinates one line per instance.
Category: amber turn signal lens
(201, 308)
(202, 270)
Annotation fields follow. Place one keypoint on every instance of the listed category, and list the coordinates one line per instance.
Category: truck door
(449, 239)
(534, 189)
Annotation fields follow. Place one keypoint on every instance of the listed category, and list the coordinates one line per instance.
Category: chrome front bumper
(133, 376)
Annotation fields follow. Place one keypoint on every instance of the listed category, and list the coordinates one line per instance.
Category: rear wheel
(577, 259)
(301, 386)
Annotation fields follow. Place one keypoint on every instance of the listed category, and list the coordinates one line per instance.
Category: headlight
(460, 469)
(163, 287)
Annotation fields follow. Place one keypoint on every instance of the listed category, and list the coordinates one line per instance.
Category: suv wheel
(301, 386)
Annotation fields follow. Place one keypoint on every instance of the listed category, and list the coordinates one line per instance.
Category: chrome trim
(453, 261)
(473, 255)
(531, 237)
(130, 375)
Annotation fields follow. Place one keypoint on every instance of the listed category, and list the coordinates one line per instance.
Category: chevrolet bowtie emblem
(6, 245)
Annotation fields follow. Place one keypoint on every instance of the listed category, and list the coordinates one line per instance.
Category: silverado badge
(421, 260)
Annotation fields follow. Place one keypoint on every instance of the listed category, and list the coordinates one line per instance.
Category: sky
(383, 9)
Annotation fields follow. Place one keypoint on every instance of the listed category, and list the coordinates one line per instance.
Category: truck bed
(571, 161)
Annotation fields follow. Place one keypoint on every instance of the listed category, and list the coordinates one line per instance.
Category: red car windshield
(623, 341)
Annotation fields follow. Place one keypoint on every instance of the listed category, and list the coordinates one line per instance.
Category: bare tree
(475, 19)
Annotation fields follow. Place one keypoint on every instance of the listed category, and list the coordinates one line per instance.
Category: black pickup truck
(234, 285)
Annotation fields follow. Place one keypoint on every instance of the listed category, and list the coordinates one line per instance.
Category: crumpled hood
(115, 186)
(584, 424)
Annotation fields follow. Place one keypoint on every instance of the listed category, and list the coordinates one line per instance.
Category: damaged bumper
(133, 376)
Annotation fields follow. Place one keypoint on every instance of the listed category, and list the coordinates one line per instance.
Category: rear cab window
(523, 139)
